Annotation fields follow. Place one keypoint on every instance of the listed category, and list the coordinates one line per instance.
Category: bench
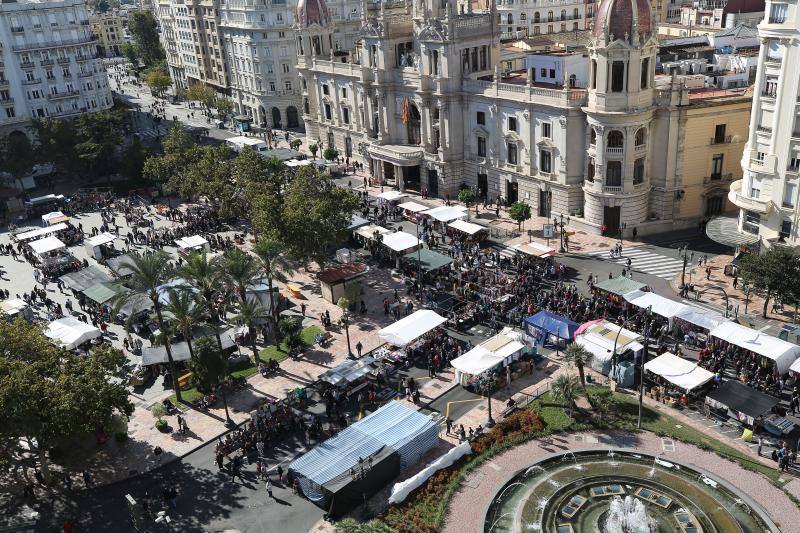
(183, 381)
(294, 290)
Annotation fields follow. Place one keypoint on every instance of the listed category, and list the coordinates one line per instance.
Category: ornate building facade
(422, 101)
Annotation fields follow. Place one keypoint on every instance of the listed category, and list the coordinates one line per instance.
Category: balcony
(777, 20)
(34, 81)
(27, 64)
(764, 129)
(85, 74)
(63, 61)
(612, 189)
(774, 61)
(4, 83)
(614, 150)
(46, 62)
(85, 57)
(17, 29)
(736, 197)
(718, 178)
(53, 44)
(720, 140)
(65, 94)
(401, 155)
(7, 101)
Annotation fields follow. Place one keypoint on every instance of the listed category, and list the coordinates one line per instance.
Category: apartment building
(49, 65)
(527, 18)
(109, 30)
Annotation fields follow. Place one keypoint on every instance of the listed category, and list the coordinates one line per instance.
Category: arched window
(413, 127)
(523, 17)
(563, 14)
(593, 137)
(537, 17)
(641, 137)
(510, 18)
(615, 139)
(575, 14)
(549, 16)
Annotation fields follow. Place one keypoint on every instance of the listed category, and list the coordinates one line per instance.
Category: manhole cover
(668, 445)
(577, 438)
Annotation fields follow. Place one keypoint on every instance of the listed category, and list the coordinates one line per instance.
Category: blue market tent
(386, 441)
(547, 323)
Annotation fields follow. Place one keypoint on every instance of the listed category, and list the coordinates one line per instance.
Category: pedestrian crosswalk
(645, 261)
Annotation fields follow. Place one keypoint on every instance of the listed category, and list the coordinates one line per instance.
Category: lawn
(243, 369)
(279, 353)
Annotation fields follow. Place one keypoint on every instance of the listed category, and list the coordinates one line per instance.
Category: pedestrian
(269, 487)
(735, 281)
(279, 471)
(760, 444)
(634, 232)
(449, 423)
(708, 272)
(67, 481)
(180, 424)
(303, 309)
(87, 479)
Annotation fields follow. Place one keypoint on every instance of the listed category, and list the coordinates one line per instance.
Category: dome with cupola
(310, 12)
(623, 17)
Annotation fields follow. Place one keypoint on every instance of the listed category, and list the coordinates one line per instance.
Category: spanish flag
(406, 112)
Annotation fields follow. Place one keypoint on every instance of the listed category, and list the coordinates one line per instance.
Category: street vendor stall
(545, 324)
(193, 243)
(535, 249)
(371, 231)
(447, 213)
(410, 328)
(15, 307)
(495, 353)
(84, 278)
(471, 231)
(426, 259)
(741, 402)
(682, 374)
(599, 339)
(53, 218)
(41, 232)
(334, 281)
(356, 222)
(117, 265)
(661, 306)
(400, 243)
(781, 353)
(411, 210)
(348, 372)
(100, 246)
(390, 196)
(103, 292)
(45, 248)
(700, 317)
(70, 332)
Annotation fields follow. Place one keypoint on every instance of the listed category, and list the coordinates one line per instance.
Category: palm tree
(577, 355)
(185, 311)
(249, 312)
(273, 266)
(148, 272)
(239, 270)
(563, 390)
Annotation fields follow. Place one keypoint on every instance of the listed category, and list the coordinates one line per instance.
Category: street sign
(547, 231)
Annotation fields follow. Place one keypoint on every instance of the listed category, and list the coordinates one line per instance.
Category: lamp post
(644, 358)
(622, 227)
(419, 258)
(560, 226)
(687, 257)
(487, 385)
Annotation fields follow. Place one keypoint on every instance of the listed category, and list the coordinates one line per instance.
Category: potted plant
(158, 411)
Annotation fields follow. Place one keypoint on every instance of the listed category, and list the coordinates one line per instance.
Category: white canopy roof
(414, 207)
(48, 244)
(412, 327)
(400, 241)
(467, 227)
(13, 306)
(191, 242)
(599, 352)
(368, 232)
(795, 366)
(357, 221)
(682, 373)
(446, 213)
(535, 248)
(500, 349)
(35, 234)
(782, 352)
(704, 318)
(390, 196)
(54, 217)
(660, 305)
(103, 238)
(71, 332)
(604, 334)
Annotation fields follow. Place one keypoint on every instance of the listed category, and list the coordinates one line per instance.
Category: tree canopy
(773, 273)
(144, 29)
(48, 395)
(520, 212)
(208, 367)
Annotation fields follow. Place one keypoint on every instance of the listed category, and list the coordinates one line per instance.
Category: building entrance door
(483, 186)
(611, 219)
(512, 192)
(433, 183)
(411, 178)
(715, 205)
(545, 201)
(388, 172)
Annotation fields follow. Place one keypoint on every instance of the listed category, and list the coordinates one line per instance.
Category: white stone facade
(528, 18)
(49, 63)
(768, 193)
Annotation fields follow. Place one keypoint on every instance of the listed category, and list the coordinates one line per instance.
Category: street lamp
(486, 386)
(622, 227)
(561, 227)
(644, 358)
(688, 257)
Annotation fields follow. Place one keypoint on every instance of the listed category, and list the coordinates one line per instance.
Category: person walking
(760, 444)
(269, 487)
(359, 347)
(279, 471)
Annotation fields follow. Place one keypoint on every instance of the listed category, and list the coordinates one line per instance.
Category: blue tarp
(395, 425)
(551, 324)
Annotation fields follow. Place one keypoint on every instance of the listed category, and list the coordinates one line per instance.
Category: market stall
(15, 307)
(100, 246)
(371, 232)
(390, 196)
(70, 332)
(770, 348)
(469, 230)
(400, 243)
(600, 338)
(118, 265)
(335, 281)
(535, 249)
(410, 328)
(686, 376)
(84, 278)
(737, 400)
(193, 243)
(348, 373)
(53, 218)
(616, 288)
(427, 260)
(103, 292)
(545, 324)
(447, 213)
(492, 355)
(41, 232)
(411, 210)
(357, 222)
(659, 305)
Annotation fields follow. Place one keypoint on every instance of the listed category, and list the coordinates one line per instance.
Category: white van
(237, 144)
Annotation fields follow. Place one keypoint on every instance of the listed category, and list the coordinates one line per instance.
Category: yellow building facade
(109, 30)
(715, 131)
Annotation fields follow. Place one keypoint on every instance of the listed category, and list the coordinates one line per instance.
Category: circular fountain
(617, 491)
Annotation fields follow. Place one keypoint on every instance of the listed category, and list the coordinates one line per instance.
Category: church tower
(620, 111)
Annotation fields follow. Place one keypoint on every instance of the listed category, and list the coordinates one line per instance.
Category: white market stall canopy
(660, 305)
(41, 232)
(500, 349)
(446, 213)
(297, 163)
(46, 198)
(48, 244)
(368, 232)
(782, 352)
(600, 339)
(795, 366)
(356, 222)
(411, 328)
(99, 240)
(54, 218)
(391, 196)
(71, 332)
(467, 227)
(400, 241)
(13, 306)
(193, 242)
(703, 318)
(414, 207)
(534, 248)
(682, 373)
